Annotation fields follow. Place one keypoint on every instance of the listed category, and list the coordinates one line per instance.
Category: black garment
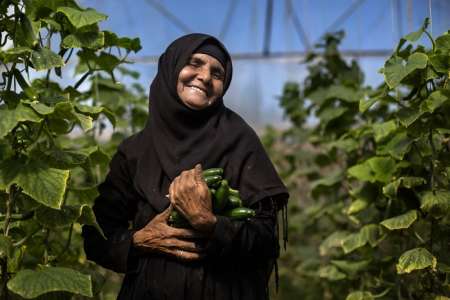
(241, 254)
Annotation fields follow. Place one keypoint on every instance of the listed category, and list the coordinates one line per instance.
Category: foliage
(50, 155)
(371, 175)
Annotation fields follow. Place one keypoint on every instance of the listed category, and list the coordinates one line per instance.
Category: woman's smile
(200, 82)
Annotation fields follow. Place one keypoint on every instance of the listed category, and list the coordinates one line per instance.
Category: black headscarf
(177, 137)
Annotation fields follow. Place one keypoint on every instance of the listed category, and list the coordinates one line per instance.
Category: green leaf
(397, 146)
(415, 259)
(351, 267)
(11, 117)
(94, 111)
(80, 18)
(443, 42)
(408, 115)
(45, 59)
(52, 218)
(331, 273)
(317, 186)
(435, 100)
(367, 234)
(332, 241)
(390, 190)
(41, 108)
(382, 130)
(31, 284)
(402, 221)
(330, 113)
(89, 39)
(374, 169)
(436, 203)
(85, 195)
(440, 62)
(111, 39)
(44, 184)
(357, 206)
(6, 246)
(365, 104)
(396, 69)
(360, 295)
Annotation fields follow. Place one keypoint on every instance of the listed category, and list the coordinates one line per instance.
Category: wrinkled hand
(190, 195)
(159, 237)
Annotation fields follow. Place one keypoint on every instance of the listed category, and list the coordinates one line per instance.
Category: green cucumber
(177, 220)
(239, 213)
(221, 196)
(234, 201)
(212, 172)
(213, 180)
(235, 193)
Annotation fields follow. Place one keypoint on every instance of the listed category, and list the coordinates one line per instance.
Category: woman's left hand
(190, 195)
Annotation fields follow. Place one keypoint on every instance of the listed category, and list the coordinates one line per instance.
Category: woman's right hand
(159, 237)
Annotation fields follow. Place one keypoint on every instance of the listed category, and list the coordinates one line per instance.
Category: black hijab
(177, 137)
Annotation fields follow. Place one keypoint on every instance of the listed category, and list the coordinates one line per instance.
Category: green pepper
(234, 192)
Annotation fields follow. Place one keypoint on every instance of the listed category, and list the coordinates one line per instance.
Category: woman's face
(200, 82)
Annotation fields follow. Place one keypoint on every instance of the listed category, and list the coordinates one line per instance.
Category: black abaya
(240, 254)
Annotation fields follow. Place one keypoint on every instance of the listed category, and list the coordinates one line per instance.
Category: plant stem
(9, 204)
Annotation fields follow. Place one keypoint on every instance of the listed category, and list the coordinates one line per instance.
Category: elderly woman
(160, 169)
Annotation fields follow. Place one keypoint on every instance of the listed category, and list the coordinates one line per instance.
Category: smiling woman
(189, 128)
(200, 82)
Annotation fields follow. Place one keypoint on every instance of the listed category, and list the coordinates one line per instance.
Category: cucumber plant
(371, 175)
(50, 123)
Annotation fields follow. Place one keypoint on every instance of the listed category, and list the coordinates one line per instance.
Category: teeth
(197, 89)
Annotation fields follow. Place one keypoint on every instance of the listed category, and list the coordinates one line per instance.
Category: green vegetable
(234, 192)
(211, 181)
(212, 172)
(240, 213)
(234, 201)
(221, 196)
(177, 220)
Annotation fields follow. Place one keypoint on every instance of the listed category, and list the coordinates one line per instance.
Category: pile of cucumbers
(226, 200)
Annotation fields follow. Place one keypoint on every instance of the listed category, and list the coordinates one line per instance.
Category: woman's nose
(204, 74)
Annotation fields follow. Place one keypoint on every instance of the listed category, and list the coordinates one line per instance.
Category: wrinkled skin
(189, 194)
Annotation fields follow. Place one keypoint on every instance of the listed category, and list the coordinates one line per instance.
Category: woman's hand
(190, 195)
(159, 237)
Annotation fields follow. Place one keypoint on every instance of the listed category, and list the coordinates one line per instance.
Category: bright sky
(373, 25)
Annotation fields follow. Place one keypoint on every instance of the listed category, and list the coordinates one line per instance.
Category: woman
(159, 169)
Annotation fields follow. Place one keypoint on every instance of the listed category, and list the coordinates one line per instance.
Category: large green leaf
(45, 185)
(390, 190)
(111, 39)
(382, 130)
(82, 39)
(11, 117)
(440, 62)
(332, 241)
(80, 18)
(31, 284)
(397, 146)
(367, 234)
(408, 115)
(374, 169)
(53, 218)
(415, 259)
(45, 59)
(402, 221)
(396, 69)
(331, 273)
(443, 43)
(351, 267)
(436, 203)
(360, 295)
(435, 100)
